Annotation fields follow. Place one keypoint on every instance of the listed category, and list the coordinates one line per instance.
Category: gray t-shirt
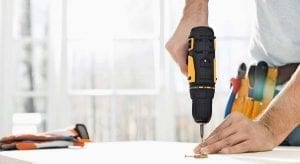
(276, 38)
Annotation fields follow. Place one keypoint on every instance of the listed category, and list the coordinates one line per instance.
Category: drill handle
(201, 57)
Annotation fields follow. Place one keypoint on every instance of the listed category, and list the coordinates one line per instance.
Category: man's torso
(276, 38)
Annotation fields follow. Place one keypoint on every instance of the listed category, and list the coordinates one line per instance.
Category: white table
(142, 152)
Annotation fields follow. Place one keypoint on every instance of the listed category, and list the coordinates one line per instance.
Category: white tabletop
(142, 152)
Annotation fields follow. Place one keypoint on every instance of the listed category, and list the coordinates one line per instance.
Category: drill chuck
(201, 72)
(201, 104)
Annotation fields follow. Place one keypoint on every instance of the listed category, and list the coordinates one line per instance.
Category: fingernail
(204, 150)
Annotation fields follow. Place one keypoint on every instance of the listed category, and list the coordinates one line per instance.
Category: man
(276, 41)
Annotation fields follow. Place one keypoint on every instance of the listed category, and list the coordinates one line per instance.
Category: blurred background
(103, 63)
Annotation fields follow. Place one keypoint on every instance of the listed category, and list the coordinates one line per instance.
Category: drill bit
(201, 131)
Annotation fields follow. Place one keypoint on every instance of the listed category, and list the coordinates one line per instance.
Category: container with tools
(255, 91)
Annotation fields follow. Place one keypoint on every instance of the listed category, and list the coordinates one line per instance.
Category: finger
(233, 117)
(226, 129)
(198, 147)
(183, 68)
(179, 55)
(173, 48)
(223, 125)
(226, 142)
(238, 148)
(181, 60)
(221, 134)
(213, 148)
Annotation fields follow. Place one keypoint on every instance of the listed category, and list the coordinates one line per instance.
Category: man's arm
(238, 134)
(283, 114)
(195, 14)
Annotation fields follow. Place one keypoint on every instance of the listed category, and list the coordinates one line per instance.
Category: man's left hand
(237, 134)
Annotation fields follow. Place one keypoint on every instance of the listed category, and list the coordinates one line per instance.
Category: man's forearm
(196, 11)
(195, 14)
(283, 114)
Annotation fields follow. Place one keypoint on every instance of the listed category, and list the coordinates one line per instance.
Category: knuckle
(235, 115)
(244, 136)
(221, 135)
(243, 123)
(168, 45)
(228, 142)
(218, 136)
(212, 148)
(238, 115)
(227, 150)
(249, 129)
(245, 131)
(171, 47)
(216, 147)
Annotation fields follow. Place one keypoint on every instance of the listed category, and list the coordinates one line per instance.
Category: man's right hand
(195, 14)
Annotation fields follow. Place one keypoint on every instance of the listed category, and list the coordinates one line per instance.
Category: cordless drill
(201, 73)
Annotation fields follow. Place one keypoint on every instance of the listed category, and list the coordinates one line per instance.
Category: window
(103, 63)
(24, 68)
(113, 71)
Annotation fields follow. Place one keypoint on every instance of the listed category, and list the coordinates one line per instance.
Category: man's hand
(195, 14)
(238, 134)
